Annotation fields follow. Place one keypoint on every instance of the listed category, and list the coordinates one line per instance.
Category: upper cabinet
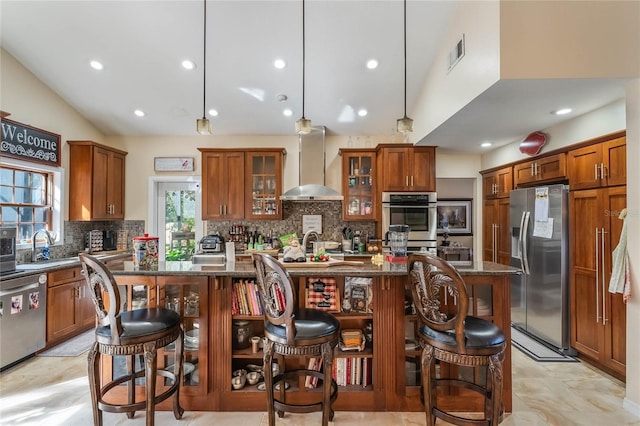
(263, 176)
(405, 167)
(358, 183)
(96, 181)
(238, 184)
(599, 165)
(497, 183)
(544, 169)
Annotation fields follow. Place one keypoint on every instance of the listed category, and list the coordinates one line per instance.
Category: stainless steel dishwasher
(23, 317)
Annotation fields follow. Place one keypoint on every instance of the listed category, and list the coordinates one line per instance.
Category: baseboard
(631, 407)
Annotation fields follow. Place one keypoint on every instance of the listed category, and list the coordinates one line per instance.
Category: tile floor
(54, 391)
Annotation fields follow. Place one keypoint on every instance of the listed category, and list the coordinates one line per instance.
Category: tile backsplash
(75, 234)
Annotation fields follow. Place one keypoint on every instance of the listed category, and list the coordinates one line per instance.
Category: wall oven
(416, 209)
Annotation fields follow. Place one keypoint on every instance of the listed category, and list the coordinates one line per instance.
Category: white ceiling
(142, 43)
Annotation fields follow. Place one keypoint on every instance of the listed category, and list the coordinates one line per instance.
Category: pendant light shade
(303, 125)
(203, 126)
(405, 124)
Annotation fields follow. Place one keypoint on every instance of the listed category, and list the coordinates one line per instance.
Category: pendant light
(405, 124)
(303, 126)
(203, 126)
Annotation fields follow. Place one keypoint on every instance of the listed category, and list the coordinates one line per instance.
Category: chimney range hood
(311, 170)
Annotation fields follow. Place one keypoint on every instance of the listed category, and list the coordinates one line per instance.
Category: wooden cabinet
(358, 183)
(264, 184)
(545, 169)
(496, 235)
(405, 167)
(497, 183)
(222, 184)
(598, 165)
(96, 181)
(69, 306)
(238, 184)
(598, 318)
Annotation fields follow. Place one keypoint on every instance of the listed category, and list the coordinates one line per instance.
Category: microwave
(8, 243)
(416, 209)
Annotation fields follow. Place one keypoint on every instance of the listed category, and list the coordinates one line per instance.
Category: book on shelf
(322, 293)
(245, 299)
(359, 293)
(352, 371)
(315, 363)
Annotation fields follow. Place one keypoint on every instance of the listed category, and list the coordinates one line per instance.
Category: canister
(145, 252)
(242, 331)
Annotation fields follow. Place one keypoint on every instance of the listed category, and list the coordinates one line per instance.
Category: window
(27, 200)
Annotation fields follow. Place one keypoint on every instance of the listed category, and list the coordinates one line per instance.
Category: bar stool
(130, 333)
(454, 338)
(290, 330)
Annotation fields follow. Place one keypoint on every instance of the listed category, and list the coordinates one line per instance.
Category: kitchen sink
(44, 265)
(208, 259)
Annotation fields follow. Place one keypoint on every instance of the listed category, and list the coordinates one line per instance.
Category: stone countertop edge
(245, 269)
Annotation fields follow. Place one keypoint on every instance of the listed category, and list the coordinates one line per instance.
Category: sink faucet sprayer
(50, 240)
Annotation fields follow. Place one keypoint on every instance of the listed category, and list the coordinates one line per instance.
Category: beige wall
(568, 39)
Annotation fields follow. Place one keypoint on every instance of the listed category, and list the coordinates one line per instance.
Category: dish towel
(621, 276)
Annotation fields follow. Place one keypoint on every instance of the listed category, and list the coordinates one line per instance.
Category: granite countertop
(245, 269)
(43, 267)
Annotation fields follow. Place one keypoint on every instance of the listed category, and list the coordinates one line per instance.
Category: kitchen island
(216, 300)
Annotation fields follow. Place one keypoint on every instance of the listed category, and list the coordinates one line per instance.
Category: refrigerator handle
(525, 233)
(604, 310)
(597, 278)
(519, 248)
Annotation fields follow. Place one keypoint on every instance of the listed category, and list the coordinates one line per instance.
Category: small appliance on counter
(94, 241)
(212, 244)
(109, 240)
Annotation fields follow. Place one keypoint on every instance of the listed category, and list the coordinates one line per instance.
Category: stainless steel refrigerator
(540, 247)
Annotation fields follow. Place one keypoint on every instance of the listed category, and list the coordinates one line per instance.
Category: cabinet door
(614, 309)
(263, 174)
(116, 183)
(587, 334)
(544, 169)
(100, 194)
(189, 296)
(503, 232)
(358, 183)
(86, 308)
(62, 313)
(423, 175)
(223, 185)
(615, 158)
(583, 167)
(504, 182)
(397, 163)
(489, 216)
(524, 173)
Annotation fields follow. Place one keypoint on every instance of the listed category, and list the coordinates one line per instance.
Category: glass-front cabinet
(358, 183)
(188, 295)
(264, 181)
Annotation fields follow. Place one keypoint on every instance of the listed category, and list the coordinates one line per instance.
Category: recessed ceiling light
(372, 64)
(562, 111)
(96, 65)
(279, 63)
(287, 112)
(362, 112)
(139, 113)
(485, 144)
(189, 65)
(213, 112)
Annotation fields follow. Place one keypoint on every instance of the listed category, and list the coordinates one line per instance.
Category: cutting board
(272, 252)
(331, 262)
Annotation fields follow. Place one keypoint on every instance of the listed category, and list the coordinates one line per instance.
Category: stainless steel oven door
(419, 212)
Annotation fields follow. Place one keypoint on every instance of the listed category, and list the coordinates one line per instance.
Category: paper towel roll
(230, 247)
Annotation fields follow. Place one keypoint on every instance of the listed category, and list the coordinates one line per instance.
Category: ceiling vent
(456, 54)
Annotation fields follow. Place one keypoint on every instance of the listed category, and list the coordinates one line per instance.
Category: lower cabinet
(69, 306)
(496, 232)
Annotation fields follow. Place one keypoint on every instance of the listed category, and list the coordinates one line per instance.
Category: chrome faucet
(50, 240)
(306, 237)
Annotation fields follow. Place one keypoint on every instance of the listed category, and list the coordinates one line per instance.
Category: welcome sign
(28, 143)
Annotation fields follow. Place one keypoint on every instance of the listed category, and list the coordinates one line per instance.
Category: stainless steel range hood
(311, 170)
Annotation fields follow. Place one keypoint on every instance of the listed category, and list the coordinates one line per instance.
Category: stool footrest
(300, 408)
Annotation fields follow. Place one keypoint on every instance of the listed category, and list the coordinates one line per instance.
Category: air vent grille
(456, 54)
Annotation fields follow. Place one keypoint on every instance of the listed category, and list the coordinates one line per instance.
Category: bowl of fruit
(319, 257)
